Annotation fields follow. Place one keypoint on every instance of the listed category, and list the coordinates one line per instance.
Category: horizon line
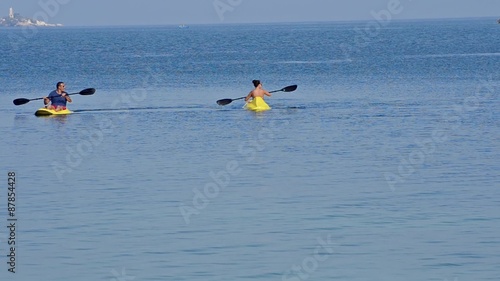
(282, 22)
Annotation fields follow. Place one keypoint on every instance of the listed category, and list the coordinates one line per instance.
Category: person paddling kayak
(258, 91)
(257, 95)
(58, 98)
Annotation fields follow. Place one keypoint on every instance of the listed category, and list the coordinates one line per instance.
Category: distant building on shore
(15, 19)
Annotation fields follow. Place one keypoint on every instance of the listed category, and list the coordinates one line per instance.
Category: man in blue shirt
(58, 98)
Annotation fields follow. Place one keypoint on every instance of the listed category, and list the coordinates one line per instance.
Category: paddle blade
(21, 101)
(224, 101)
(290, 88)
(87, 92)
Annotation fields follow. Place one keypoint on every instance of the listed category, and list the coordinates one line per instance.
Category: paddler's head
(256, 83)
(60, 86)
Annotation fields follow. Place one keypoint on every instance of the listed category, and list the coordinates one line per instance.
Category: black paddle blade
(224, 101)
(87, 92)
(20, 101)
(290, 88)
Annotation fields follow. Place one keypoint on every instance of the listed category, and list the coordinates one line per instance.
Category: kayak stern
(257, 104)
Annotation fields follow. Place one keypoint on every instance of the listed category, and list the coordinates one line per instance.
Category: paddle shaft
(53, 97)
(228, 101)
(85, 92)
(269, 92)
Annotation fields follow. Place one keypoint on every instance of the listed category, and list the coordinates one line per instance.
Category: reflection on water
(62, 119)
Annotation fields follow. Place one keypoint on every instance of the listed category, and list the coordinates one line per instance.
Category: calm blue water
(383, 165)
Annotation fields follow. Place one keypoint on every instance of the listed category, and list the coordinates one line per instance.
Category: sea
(382, 165)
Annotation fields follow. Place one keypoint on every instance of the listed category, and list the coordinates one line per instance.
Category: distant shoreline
(4, 22)
(173, 25)
(16, 20)
(416, 20)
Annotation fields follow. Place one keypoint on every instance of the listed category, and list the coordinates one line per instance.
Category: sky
(166, 12)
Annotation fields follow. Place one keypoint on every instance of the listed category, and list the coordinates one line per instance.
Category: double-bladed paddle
(286, 89)
(85, 92)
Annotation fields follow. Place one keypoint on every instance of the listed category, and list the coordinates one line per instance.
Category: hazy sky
(145, 12)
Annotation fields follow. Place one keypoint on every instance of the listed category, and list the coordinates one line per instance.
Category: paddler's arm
(66, 96)
(249, 96)
(267, 93)
(46, 100)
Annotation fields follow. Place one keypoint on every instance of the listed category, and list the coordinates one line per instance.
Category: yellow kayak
(48, 112)
(257, 104)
